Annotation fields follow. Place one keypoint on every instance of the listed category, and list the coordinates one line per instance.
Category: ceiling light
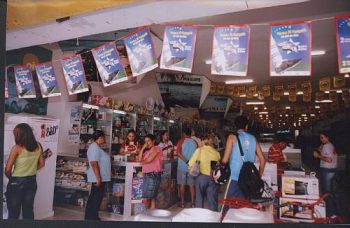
(326, 91)
(324, 101)
(317, 107)
(312, 114)
(286, 93)
(254, 103)
(303, 115)
(240, 81)
(119, 112)
(287, 115)
(265, 108)
(256, 108)
(339, 91)
(287, 107)
(171, 121)
(300, 93)
(156, 118)
(263, 112)
(318, 52)
(208, 62)
(243, 95)
(347, 76)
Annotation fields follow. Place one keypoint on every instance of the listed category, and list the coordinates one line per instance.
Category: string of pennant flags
(290, 55)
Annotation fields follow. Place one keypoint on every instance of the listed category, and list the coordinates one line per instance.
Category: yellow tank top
(26, 163)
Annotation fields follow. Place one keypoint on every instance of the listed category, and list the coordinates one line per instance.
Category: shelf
(70, 171)
(78, 189)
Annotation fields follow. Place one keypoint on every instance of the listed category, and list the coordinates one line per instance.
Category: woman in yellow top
(205, 184)
(24, 160)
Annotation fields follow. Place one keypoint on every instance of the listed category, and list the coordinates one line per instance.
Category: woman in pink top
(151, 158)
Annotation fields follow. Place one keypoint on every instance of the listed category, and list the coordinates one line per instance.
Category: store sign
(24, 82)
(215, 104)
(74, 75)
(140, 49)
(47, 80)
(178, 48)
(108, 63)
(290, 50)
(343, 43)
(230, 50)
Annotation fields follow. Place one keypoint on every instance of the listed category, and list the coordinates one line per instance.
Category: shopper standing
(22, 165)
(166, 145)
(250, 147)
(98, 174)
(151, 158)
(131, 145)
(185, 149)
(205, 184)
(275, 154)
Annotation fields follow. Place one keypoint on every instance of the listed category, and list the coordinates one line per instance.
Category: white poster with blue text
(108, 63)
(230, 50)
(343, 44)
(178, 48)
(47, 80)
(290, 50)
(74, 74)
(139, 47)
(24, 82)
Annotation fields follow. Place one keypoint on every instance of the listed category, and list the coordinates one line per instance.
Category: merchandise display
(300, 187)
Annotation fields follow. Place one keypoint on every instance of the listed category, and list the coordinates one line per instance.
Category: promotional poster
(74, 74)
(108, 63)
(140, 49)
(343, 44)
(290, 50)
(215, 104)
(178, 48)
(47, 80)
(24, 82)
(230, 51)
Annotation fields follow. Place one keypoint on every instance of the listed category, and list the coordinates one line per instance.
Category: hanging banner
(260, 96)
(325, 84)
(266, 90)
(306, 87)
(279, 90)
(220, 89)
(140, 49)
(319, 96)
(235, 91)
(251, 91)
(74, 75)
(108, 63)
(306, 97)
(241, 91)
(24, 82)
(343, 43)
(290, 50)
(338, 81)
(292, 88)
(229, 90)
(47, 80)
(6, 84)
(178, 48)
(230, 50)
(276, 97)
(213, 88)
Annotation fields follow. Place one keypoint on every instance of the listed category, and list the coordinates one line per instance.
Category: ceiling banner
(24, 82)
(292, 88)
(343, 43)
(235, 91)
(307, 97)
(141, 53)
(279, 90)
(47, 80)
(339, 82)
(220, 89)
(266, 90)
(276, 97)
(178, 48)
(230, 50)
(215, 104)
(251, 91)
(306, 86)
(74, 75)
(290, 49)
(229, 90)
(213, 87)
(292, 97)
(325, 84)
(241, 91)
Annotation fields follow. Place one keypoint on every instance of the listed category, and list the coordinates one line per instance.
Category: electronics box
(292, 209)
(301, 187)
(269, 175)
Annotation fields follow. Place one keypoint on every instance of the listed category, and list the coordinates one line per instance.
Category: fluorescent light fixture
(300, 93)
(312, 114)
(254, 103)
(339, 91)
(324, 101)
(318, 52)
(208, 62)
(286, 93)
(255, 95)
(260, 115)
(90, 106)
(287, 107)
(171, 121)
(242, 95)
(256, 108)
(156, 118)
(347, 76)
(303, 115)
(317, 107)
(286, 115)
(240, 81)
(326, 91)
(263, 112)
(265, 108)
(119, 112)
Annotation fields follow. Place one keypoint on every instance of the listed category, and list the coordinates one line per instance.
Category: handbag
(249, 181)
(194, 169)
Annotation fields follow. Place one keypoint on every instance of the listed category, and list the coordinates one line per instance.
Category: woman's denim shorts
(151, 183)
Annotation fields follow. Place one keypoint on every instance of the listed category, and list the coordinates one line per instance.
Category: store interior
(295, 108)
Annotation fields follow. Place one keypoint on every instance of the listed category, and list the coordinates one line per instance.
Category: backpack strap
(239, 145)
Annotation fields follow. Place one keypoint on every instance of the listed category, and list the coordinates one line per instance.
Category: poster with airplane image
(343, 43)
(24, 82)
(74, 75)
(108, 63)
(140, 49)
(230, 50)
(47, 80)
(178, 48)
(290, 49)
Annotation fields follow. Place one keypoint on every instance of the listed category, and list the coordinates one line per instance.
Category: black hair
(161, 135)
(187, 131)
(325, 133)
(97, 134)
(131, 131)
(24, 137)
(241, 122)
(151, 137)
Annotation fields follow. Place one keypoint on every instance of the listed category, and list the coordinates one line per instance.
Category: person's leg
(94, 202)
(13, 200)
(191, 181)
(212, 195)
(28, 199)
(200, 190)
(153, 203)
(324, 181)
(181, 181)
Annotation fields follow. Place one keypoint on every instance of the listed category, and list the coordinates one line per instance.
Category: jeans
(94, 201)
(327, 176)
(233, 191)
(205, 186)
(150, 186)
(20, 194)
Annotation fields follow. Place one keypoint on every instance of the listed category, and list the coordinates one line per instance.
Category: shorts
(184, 178)
(150, 186)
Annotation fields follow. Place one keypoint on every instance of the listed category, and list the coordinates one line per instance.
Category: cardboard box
(301, 187)
(292, 209)
(270, 174)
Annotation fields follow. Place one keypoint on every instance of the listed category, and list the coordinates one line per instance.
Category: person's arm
(41, 161)
(141, 152)
(179, 152)
(228, 149)
(11, 160)
(194, 158)
(122, 150)
(96, 169)
(261, 158)
(151, 157)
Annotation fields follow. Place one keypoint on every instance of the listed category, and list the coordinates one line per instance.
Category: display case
(159, 125)
(144, 126)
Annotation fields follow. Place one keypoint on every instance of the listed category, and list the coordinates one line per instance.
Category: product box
(136, 193)
(118, 189)
(293, 210)
(301, 187)
(269, 175)
(115, 208)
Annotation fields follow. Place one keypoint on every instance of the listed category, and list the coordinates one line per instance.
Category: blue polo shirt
(188, 148)
(95, 153)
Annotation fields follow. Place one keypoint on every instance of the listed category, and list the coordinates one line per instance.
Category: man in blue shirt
(185, 149)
